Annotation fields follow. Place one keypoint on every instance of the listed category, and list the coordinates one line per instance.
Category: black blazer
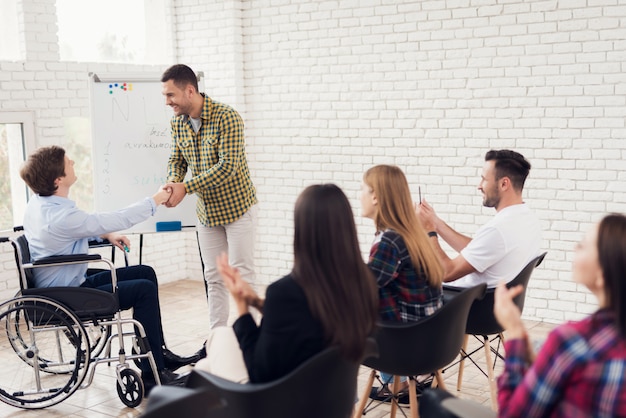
(287, 336)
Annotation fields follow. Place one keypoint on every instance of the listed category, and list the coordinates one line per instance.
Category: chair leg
(439, 380)
(413, 399)
(395, 389)
(358, 413)
(462, 363)
(490, 374)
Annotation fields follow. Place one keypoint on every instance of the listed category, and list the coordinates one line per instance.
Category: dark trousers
(137, 289)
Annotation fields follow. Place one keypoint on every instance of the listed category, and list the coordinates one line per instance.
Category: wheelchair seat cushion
(84, 302)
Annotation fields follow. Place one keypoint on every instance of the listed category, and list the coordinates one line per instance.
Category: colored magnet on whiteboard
(169, 226)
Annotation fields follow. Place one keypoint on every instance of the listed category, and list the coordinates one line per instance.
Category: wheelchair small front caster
(131, 390)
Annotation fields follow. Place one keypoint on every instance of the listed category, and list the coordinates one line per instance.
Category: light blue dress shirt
(54, 225)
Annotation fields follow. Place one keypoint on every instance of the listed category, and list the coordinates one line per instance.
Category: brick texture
(329, 88)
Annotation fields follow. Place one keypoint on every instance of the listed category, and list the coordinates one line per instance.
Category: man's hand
(120, 241)
(178, 193)
(426, 215)
(162, 195)
(506, 311)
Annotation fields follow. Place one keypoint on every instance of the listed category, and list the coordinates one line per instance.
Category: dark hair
(42, 168)
(329, 266)
(510, 164)
(181, 75)
(612, 259)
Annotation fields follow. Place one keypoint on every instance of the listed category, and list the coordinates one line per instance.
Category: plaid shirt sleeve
(176, 165)
(384, 261)
(534, 391)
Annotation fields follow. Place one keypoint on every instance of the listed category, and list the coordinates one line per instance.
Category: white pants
(237, 240)
(223, 356)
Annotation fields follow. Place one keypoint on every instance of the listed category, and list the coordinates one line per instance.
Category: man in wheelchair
(53, 225)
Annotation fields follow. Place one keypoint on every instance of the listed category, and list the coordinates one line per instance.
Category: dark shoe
(174, 361)
(167, 377)
(383, 394)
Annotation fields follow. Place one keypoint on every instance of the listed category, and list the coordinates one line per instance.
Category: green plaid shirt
(216, 156)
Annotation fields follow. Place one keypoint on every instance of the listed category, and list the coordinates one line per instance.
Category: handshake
(170, 194)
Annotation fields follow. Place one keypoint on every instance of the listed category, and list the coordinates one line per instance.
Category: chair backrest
(172, 401)
(323, 386)
(22, 256)
(481, 320)
(414, 348)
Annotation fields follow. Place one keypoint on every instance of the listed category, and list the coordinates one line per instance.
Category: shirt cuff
(516, 354)
(153, 205)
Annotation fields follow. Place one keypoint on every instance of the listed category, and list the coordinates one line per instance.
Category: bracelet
(432, 234)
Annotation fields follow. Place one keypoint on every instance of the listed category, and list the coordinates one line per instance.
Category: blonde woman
(405, 266)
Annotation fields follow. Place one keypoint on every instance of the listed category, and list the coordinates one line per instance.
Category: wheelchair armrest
(72, 258)
(60, 260)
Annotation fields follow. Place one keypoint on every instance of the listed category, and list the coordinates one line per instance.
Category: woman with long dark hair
(328, 299)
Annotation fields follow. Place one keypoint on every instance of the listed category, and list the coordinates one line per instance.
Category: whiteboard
(130, 129)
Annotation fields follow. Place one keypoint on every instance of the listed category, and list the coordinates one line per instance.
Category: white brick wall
(329, 88)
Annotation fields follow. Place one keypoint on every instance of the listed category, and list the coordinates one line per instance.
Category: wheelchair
(52, 339)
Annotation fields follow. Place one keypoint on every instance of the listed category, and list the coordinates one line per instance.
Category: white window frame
(17, 155)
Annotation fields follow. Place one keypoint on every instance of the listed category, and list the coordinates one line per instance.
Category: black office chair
(323, 386)
(418, 348)
(172, 401)
(481, 323)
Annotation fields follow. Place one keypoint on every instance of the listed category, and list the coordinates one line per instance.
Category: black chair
(172, 401)
(481, 323)
(418, 348)
(323, 386)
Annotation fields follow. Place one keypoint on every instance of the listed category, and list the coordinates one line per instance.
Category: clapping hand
(242, 292)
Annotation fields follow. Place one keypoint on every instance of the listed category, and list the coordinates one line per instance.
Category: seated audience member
(580, 370)
(53, 225)
(328, 299)
(502, 247)
(405, 266)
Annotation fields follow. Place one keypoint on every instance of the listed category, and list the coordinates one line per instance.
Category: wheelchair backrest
(22, 256)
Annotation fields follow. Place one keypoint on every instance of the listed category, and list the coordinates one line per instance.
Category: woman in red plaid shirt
(581, 369)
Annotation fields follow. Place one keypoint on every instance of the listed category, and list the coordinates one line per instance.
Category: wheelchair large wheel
(44, 352)
(98, 336)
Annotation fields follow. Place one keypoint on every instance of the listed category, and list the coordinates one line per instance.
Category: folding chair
(481, 323)
(418, 348)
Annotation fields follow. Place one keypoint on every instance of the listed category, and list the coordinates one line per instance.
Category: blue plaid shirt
(403, 289)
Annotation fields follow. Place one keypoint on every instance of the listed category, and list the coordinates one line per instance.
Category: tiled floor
(185, 319)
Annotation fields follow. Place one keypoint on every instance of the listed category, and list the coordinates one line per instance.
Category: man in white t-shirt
(502, 247)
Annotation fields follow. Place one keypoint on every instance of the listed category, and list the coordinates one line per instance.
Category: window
(77, 146)
(16, 137)
(9, 35)
(134, 32)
